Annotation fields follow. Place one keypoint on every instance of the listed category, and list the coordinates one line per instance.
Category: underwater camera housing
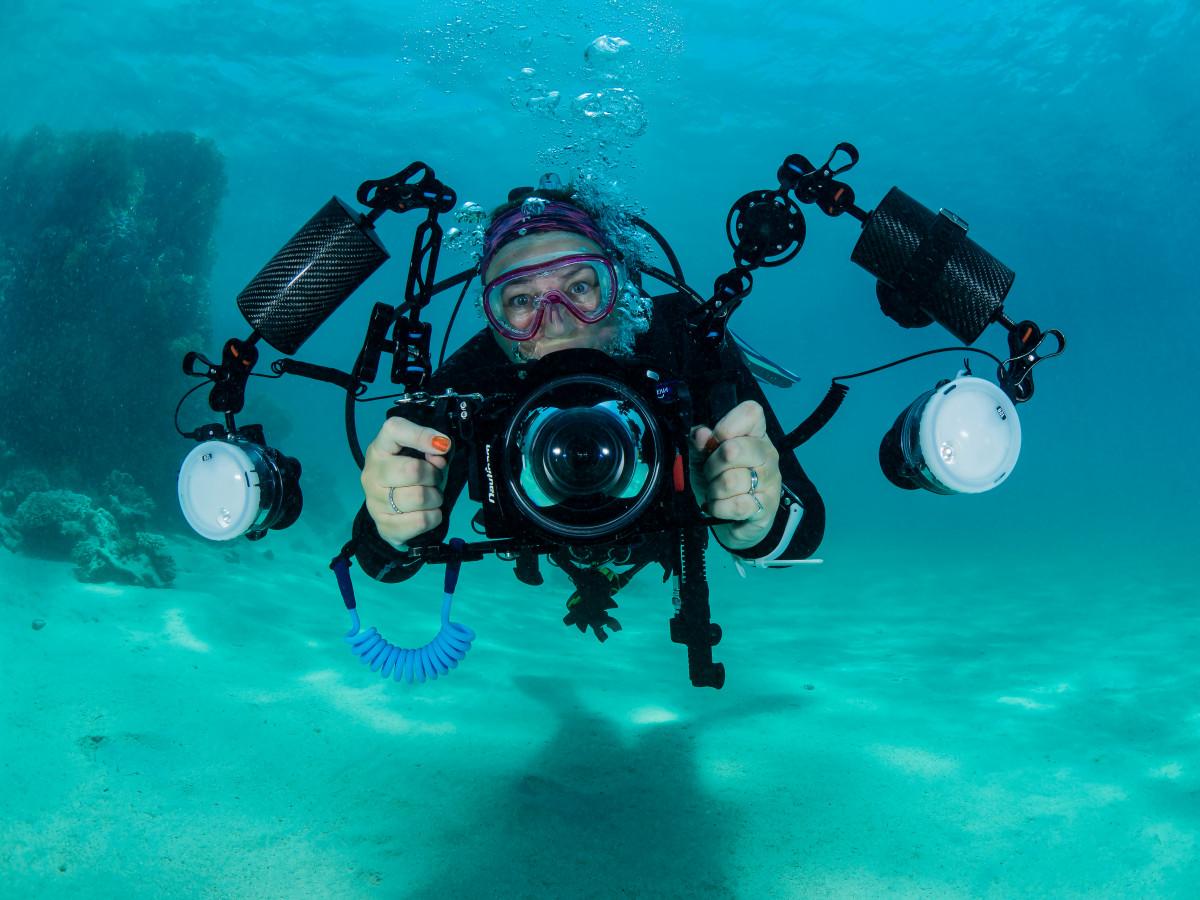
(587, 452)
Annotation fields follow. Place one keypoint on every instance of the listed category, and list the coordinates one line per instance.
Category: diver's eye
(581, 287)
(519, 301)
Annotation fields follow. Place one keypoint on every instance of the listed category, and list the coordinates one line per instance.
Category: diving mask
(516, 301)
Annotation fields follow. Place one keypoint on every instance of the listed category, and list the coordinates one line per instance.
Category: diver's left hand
(722, 460)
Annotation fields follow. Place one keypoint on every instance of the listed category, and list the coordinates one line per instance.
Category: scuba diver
(597, 426)
(553, 280)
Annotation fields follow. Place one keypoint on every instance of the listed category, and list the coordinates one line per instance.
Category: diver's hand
(722, 460)
(404, 493)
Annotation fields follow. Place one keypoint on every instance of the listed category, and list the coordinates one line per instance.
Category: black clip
(400, 194)
(1016, 373)
(411, 366)
(710, 319)
(228, 394)
(817, 185)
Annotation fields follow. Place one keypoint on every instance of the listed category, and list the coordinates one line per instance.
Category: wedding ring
(392, 501)
(753, 483)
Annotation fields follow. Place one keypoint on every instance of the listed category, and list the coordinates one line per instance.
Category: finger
(397, 530)
(703, 439)
(381, 513)
(748, 533)
(413, 499)
(741, 508)
(399, 433)
(745, 419)
(732, 482)
(400, 471)
(742, 452)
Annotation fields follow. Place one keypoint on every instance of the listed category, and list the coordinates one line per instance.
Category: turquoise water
(986, 696)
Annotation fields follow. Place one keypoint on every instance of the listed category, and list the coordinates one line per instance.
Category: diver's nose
(555, 320)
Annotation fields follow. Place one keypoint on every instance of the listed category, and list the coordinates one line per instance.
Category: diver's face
(559, 328)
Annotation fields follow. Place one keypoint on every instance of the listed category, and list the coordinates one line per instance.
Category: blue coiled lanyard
(438, 657)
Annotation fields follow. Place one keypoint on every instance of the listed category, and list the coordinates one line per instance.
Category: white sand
(881, 733)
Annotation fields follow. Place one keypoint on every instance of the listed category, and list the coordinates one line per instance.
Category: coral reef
(66, 525)
(127, 500)
(105, 255)
(19, 485)
(50, 523)
(142, 559)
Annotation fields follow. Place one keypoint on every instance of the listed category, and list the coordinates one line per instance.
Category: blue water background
(1065, 134)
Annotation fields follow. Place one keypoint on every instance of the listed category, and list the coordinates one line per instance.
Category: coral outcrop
(66, 525)
(105, 255)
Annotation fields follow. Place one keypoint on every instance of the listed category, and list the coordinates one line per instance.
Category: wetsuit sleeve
(377, 557)
(800, 522)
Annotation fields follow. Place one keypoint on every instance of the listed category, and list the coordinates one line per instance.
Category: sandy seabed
(886, 730)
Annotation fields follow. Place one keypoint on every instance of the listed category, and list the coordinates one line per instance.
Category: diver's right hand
(404, 493)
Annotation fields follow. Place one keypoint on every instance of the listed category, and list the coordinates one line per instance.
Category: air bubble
(468, 237)
(545, 104)
(606, 51)
(615, 108)
(470, 213)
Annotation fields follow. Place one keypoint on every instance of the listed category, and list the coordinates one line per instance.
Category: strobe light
(963, 437)
(231, 488)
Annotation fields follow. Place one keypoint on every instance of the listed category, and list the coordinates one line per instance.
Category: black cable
(450, 282)
(991, 356)
(832, 401)
(818, 418)
(671, 281)
(453, 316)
(381, 397)
(193, 390)
(663, 245)
(179, 406)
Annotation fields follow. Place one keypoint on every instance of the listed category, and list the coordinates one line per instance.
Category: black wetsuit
(474, 368)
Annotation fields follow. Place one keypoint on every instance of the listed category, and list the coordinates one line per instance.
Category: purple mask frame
(551, 296)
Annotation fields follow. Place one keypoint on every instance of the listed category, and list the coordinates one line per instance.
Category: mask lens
(515, 302)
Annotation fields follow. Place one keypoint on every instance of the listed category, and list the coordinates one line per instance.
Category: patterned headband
(533, 216)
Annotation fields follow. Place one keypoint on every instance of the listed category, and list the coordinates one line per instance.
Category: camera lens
(577, 453)
(583, 457)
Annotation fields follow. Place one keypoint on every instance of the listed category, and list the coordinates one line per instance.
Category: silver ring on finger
(753, 483)
(761, 508)
(392, 502)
